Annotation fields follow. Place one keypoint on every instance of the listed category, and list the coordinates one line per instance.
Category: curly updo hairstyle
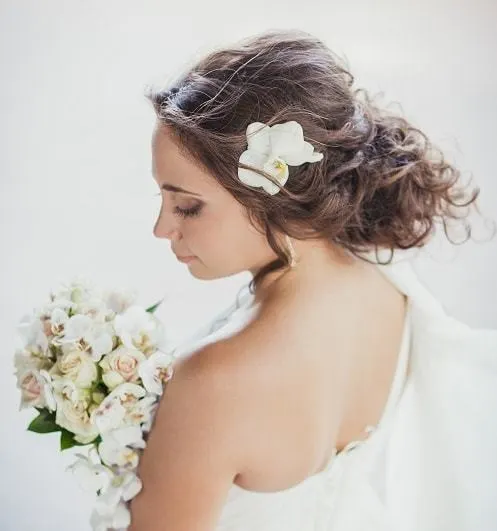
(381, 183)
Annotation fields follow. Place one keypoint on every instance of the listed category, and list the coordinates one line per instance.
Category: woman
(335, 394)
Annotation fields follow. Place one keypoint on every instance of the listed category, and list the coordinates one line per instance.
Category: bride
(335, 393)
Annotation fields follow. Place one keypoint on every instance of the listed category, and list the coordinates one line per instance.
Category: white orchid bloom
(24, 360)
(58, 304)
(114, 453)
(119, 301)
(125, 436)
(125, 485)
(67, 295)
(119, 519)
(139, 329)
(90, 473)
(77, 290)
(272, 149)
(32, 333)
(155, 371)
(111, 510)
(77, 327)
(120, 447)
(108, 415)
(99, 336)
(116, 409)
(148, 407)
(58, 320)
(81, 297)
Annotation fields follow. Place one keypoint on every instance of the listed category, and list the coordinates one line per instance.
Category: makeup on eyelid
(186, 212)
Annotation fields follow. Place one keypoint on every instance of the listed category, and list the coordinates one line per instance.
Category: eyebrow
(172, 188)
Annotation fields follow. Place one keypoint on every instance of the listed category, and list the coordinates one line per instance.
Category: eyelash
(187, 212)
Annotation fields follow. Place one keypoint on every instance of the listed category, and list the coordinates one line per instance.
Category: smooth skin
(265, 407)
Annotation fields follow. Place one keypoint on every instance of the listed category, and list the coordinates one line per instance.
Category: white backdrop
(77, 195)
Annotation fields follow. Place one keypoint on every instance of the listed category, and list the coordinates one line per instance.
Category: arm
(192, 454)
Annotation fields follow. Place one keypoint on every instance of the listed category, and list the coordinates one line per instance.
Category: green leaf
(154, 307)
(44, 422)
(67, 440)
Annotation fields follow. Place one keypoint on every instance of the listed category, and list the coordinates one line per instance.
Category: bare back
(325, 372)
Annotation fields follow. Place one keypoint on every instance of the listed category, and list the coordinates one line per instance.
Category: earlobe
(291, 252)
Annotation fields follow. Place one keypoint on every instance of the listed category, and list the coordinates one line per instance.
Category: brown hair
(381, 183)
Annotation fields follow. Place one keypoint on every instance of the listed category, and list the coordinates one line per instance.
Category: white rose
(35, 389)
(72, 410)
(78, 366)
(121, 366)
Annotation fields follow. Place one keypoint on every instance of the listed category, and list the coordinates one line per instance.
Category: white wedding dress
(431, 462)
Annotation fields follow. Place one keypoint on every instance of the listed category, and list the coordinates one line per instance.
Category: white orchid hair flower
(272, 149)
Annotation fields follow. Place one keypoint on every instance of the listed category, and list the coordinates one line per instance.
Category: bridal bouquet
(94, 365)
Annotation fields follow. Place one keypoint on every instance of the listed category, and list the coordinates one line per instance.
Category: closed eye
(186, 212)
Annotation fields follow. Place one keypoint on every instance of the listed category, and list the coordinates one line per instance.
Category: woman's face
(201, 218)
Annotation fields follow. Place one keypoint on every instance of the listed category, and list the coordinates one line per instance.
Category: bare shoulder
(254, 390)
(213, 423)
(194, 448)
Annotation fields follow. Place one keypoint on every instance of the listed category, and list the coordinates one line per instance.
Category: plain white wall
(77, 193)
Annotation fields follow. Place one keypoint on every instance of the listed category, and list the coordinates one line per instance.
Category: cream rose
(72, 410)
(35, 389)
(78, 366)
(121, 366)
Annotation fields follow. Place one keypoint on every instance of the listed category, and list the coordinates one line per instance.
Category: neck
(316, 260)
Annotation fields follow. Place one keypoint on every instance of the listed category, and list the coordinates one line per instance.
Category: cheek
(223, 234)
(209, 237)
(239, 239)
(200, 234)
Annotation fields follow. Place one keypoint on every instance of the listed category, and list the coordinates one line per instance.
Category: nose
(166, 226)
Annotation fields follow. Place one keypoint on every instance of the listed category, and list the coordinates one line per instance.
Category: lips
(185, 258)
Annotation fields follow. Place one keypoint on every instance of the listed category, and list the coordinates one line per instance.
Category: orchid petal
(250, 177)
(286, 138)
(258, 138)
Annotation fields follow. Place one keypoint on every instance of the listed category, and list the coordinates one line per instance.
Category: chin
(204, 273)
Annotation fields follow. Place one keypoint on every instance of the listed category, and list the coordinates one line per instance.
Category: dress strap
(398, 382)
(401, 370)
